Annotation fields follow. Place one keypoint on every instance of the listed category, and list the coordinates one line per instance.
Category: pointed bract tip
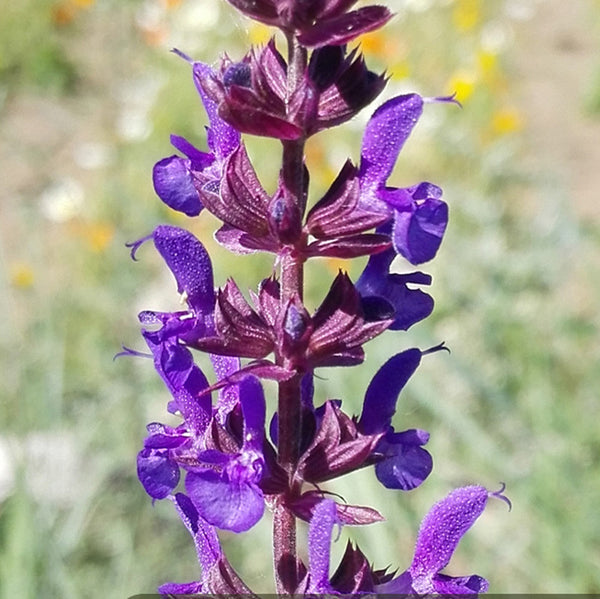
(499, 494)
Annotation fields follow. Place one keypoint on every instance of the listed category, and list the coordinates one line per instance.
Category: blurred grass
(516, 288)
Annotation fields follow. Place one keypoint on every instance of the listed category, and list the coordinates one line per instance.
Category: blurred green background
(88, 97)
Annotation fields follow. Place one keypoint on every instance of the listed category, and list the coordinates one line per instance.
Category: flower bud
(284, 219)
(296, 328)
(238, 73)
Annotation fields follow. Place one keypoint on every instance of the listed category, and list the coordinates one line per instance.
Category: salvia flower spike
(231, 452)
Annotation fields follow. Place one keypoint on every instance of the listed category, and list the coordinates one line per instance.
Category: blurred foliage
(515, 285)
(31, 52)
(593, 86)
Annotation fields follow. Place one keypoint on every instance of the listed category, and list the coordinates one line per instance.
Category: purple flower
(190, 264)
(208, 548)
(353, 575)
(182, 183)
(224, 486)
(440, 532)
(217, 575)
(319, 546)
(402, 463)
(231, 470)
(416, 214)
(158, 468)
(385, 294)
(157, 463)
(224, 469)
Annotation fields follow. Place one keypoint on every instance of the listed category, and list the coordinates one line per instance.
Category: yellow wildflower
(462, 83)
(21, 275)
(466, 14)
(506, 120)
(259, 34)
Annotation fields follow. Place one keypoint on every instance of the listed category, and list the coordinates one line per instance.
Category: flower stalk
(292, 286)
(224, 466)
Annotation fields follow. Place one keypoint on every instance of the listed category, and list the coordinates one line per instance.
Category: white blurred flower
(92, 155)
(54, 468)
(137, 96)
(62, 201)
(193, 26)
(7, 469)
(198, 16)
(53, 464)
(496, 36)
(150, 15)
(520, 10)
(418, 5)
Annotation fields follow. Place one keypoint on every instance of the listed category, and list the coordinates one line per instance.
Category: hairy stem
(284, 550)
(289, 402)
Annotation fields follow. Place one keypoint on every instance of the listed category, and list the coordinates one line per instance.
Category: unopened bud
(284, 219)
(238, 73)
(295, 323)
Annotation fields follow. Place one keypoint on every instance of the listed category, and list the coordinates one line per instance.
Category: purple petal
(222, 137)
(459, 585)
(174, 185)
(199, 159)
(418, 231)
(405, 198)
(205, 537)
(443, 527)
(386, 132)
(228, 504)
(253, 406)
(158, 474)
(383, 390)
(401, 585)
(319, 546)
(406, 464)
(229, 396)
(376, 282)
(186, 382)
(190, 264)
(166, 441)
(182, 588)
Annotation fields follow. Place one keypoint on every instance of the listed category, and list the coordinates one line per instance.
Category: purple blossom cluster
(224, 464)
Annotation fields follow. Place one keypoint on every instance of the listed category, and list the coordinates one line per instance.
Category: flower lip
(225, 488)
